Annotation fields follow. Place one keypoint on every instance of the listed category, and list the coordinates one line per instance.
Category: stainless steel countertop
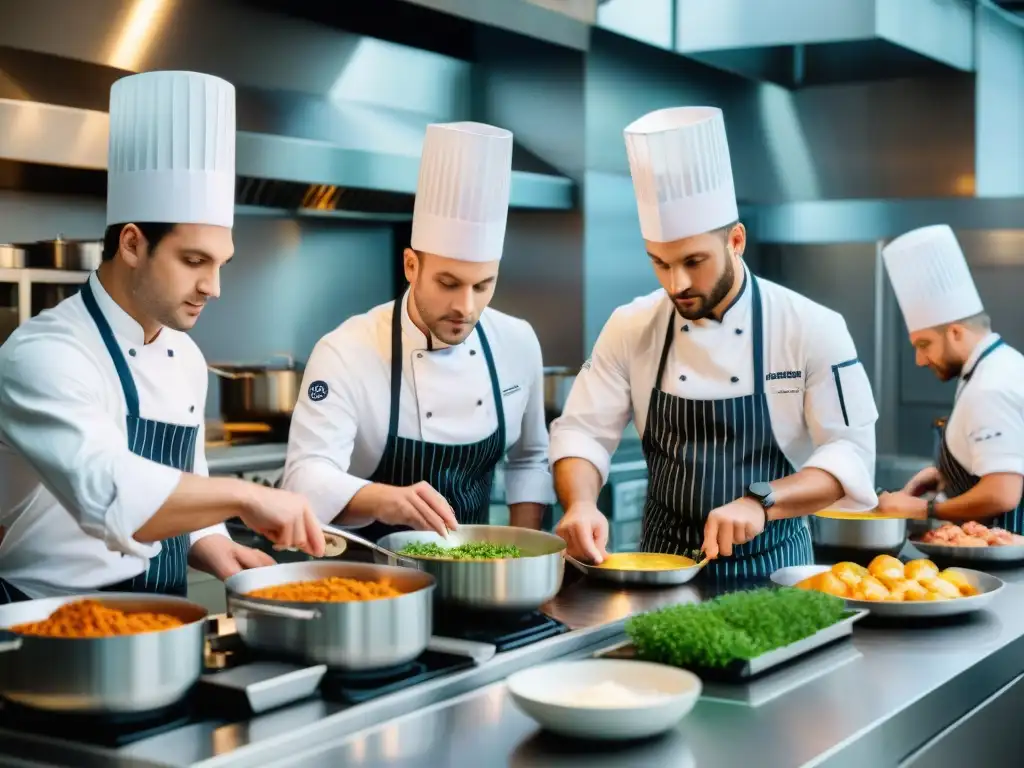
(235, 459)
(869, 702)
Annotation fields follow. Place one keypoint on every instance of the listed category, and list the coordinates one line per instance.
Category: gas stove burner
(356, 687)
(110, 729)
(372, 678)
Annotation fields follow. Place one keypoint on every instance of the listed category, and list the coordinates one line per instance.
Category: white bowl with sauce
(606, 699)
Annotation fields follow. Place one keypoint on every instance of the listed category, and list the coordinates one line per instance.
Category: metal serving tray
(742, 671)
(1012, 553)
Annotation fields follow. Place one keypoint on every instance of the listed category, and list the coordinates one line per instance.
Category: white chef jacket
(819, 399)
(985, 432)
(71, 493)
(337, 440)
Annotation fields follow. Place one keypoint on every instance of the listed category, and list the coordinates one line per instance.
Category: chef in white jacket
(752, 404)
(102, 399)
(980, 465)
(406, 410)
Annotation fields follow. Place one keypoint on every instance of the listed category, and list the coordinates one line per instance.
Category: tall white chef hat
(931, 279)
(462, 196)
(172, 149)
(682, 175)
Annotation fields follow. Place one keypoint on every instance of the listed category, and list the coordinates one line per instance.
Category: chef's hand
(585, 530)
(419, 506)
(902, 504)
(928, 479)
(283, 517)
(219, 556)
(731, 525)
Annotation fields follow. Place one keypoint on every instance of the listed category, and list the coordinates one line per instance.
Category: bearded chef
(406, 410)
(980, 466)
(753, 407)
(102, 467)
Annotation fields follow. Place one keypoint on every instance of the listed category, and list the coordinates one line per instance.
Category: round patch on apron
(318, 391)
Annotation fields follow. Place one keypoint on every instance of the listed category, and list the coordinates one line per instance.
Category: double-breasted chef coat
(454, 413)
(985, 432)
(96, 428)
(722, 404)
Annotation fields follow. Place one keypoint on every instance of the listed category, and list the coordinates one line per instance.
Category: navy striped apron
(702, 454)
(172, 445)
(461, 473)
(959, 481)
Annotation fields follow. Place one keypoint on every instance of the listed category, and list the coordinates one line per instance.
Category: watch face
(761, 490)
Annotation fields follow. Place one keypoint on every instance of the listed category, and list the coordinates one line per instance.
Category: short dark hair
(980, 322)
(724, 231)
(154, 232)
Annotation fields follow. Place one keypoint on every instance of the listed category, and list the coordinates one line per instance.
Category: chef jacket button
(686, 329)
(734, 379)
(170, 353)
(429, 414)
(419, 354)
(479, 402)
(131, 352)
(472, 351)
(738, 331)
(683, 377)
(191, 408)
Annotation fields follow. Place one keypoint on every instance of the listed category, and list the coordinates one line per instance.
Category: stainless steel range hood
(295, 152)
(799, 42)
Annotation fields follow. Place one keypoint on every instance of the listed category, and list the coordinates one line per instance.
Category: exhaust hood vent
(795, 43)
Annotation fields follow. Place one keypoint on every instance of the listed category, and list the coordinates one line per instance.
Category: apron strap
(988, 351)
(669, 333)
(396, 375)
(499, 407)
(131, 394)
(758, 330)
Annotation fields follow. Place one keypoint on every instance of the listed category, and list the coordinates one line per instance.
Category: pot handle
(286, 356)
(229, 374)
(9, 641)
(282, 611)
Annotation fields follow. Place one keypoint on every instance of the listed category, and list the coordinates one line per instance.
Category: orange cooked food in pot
(91, 618)
(334, 589)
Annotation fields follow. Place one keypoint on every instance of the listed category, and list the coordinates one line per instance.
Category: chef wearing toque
(753, 407)
(102, 462)
(406, 410)
(980, 465)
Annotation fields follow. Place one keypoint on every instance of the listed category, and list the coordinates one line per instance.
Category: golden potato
(890, 582)
(886, 565)
(912, 590)
(849, 573)
(935, 596)
(920, 570)
(872, 589)
(959, 581)
(826, 582)
(941, 587)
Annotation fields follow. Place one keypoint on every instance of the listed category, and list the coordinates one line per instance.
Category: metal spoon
(355, 538)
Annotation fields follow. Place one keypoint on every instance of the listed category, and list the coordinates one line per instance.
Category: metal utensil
(514, 584)
(986, 584)
(393, 558)
(127, 673)
(356, 635)
(335, 539)
(674, 576)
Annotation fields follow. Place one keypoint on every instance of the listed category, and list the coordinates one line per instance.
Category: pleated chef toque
(172, 149)
(463, 191)
(682, 174)
(931, 279)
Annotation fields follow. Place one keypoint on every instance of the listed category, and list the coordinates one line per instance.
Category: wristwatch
(932, 514)
(763, 494)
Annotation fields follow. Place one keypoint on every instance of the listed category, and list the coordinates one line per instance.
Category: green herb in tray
(731, 628)
(472, 550)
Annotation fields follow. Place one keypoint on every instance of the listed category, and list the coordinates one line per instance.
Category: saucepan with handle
(92, 675)
(660, 570)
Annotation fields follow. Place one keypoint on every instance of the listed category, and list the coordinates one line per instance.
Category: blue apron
(462, 473)
(702, 454)
(172, 445)
(959, 481)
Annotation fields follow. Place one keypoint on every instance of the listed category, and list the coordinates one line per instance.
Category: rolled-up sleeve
(994, 422)
(840, 412)
(599, 405)
(527, 473)
(322, 434)
(51, 412)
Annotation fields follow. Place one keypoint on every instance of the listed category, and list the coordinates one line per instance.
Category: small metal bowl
(868, 534)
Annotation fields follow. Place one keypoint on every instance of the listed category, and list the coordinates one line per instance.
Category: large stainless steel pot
(519, 584)
(129, 673)
(867, 533)
(78, 255)
(558, 383)
(368, 634)
(258, 392)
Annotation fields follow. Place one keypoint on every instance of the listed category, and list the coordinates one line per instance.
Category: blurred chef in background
(980, 465)
(406, 410)
(102, 461)
(752, 404)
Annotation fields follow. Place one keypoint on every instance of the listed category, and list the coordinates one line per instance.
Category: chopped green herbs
(730, 628)
(472, 550)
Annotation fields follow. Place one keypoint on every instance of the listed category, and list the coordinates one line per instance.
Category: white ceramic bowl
(541, 693)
